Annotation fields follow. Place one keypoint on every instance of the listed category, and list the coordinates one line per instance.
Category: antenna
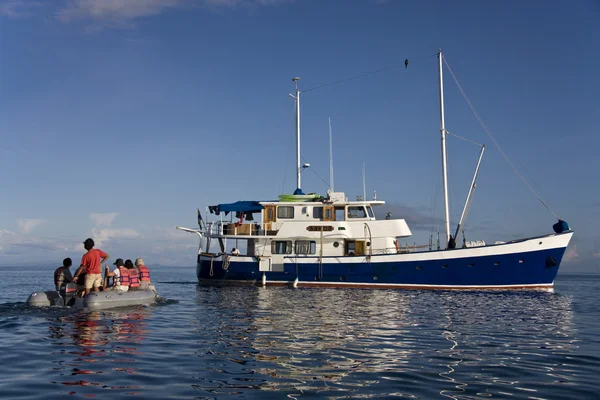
(330, 158)
(364, 183)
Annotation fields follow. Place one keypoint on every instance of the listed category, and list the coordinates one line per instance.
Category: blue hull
(515, 270)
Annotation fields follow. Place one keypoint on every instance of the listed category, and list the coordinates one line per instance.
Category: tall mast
(330, 158)
(298, 170)
(444, 157)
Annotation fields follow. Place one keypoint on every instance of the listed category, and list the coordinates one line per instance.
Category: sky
(119, 118)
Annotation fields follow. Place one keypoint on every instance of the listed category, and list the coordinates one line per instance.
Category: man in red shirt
(91, 263)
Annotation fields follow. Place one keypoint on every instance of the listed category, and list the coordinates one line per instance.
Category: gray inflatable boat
(67, 297)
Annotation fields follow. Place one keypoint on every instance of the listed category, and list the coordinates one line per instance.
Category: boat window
(318, 212)
(370, 211)
(357, 212)
(281, 247)
(328, 214)
(350, 248)
(306, 247)
(339, 214)
(285, 212)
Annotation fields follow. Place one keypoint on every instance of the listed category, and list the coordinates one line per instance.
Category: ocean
(253, 342)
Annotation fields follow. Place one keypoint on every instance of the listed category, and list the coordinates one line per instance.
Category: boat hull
(526, 264)
(95, 300)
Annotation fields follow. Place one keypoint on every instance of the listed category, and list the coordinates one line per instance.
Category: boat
(67, 297)
(331, 241)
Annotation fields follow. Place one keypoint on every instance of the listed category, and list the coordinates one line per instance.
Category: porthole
(445, 266)
(471, 265)
(342, 278)
(375, 278)
(336, 244)
(540, 243)
(419, 267)
(521, 261)
(497, 263)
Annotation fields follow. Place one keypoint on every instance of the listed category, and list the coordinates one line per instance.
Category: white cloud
(103, 218)
(104, 235)
(29, 224)
(571, 253)
(18, 8)
(114, 9)
(127, 10)
(13, 243)
(157, 245)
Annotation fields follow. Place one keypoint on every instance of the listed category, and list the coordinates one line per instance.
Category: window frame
(357, 208)
(288, 246)
(312, 246)
(285, 208)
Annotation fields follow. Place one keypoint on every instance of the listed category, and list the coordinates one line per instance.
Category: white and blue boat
(312, 241)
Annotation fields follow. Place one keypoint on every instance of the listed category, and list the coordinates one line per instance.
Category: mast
(298, 168)
(330, 158)
(444, 157)
(463, 216)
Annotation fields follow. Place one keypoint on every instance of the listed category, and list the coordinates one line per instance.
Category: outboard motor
(68, 293)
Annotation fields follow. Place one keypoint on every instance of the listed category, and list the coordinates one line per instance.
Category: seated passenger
(134, 281)
(120, 277)
(62, 275)
(235, 252)
(144, 274)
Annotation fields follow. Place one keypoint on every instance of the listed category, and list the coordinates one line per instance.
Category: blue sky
(119, 118)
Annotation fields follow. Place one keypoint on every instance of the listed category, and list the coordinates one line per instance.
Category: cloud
(571, 254)
(29, 224)
(18, 8)
(15, 243)
(104, 235)
(128, 10)
(103, 218)
(122, 10)
(414, 217)
(158, 245)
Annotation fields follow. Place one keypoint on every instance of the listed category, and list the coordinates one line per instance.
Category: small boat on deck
(67, 297)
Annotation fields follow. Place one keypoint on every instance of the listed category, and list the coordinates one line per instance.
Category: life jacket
(59, 277)
(134, 281)
(124, 276)
(144, 273)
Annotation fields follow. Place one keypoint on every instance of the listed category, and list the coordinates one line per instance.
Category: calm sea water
(208, 343)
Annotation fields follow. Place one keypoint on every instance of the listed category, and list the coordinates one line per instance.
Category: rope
(226, 263)
(377, 71)
(515, 169)
(465, 139)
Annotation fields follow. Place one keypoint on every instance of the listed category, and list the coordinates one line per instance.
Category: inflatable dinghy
(67, 297)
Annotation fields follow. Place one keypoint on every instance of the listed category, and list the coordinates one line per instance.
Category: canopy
(239, 206)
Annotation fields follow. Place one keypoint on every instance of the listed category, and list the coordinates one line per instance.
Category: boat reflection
(339, 341)
(97, 343)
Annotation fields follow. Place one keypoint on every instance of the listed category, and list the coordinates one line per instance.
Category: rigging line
(377, 71)
(465, 139)
(515, 169)
(312, 169)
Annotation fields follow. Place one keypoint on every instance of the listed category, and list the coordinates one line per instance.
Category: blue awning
(248, 207)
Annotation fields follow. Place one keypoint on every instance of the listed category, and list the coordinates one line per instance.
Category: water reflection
(96, 343)
(339, 342)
